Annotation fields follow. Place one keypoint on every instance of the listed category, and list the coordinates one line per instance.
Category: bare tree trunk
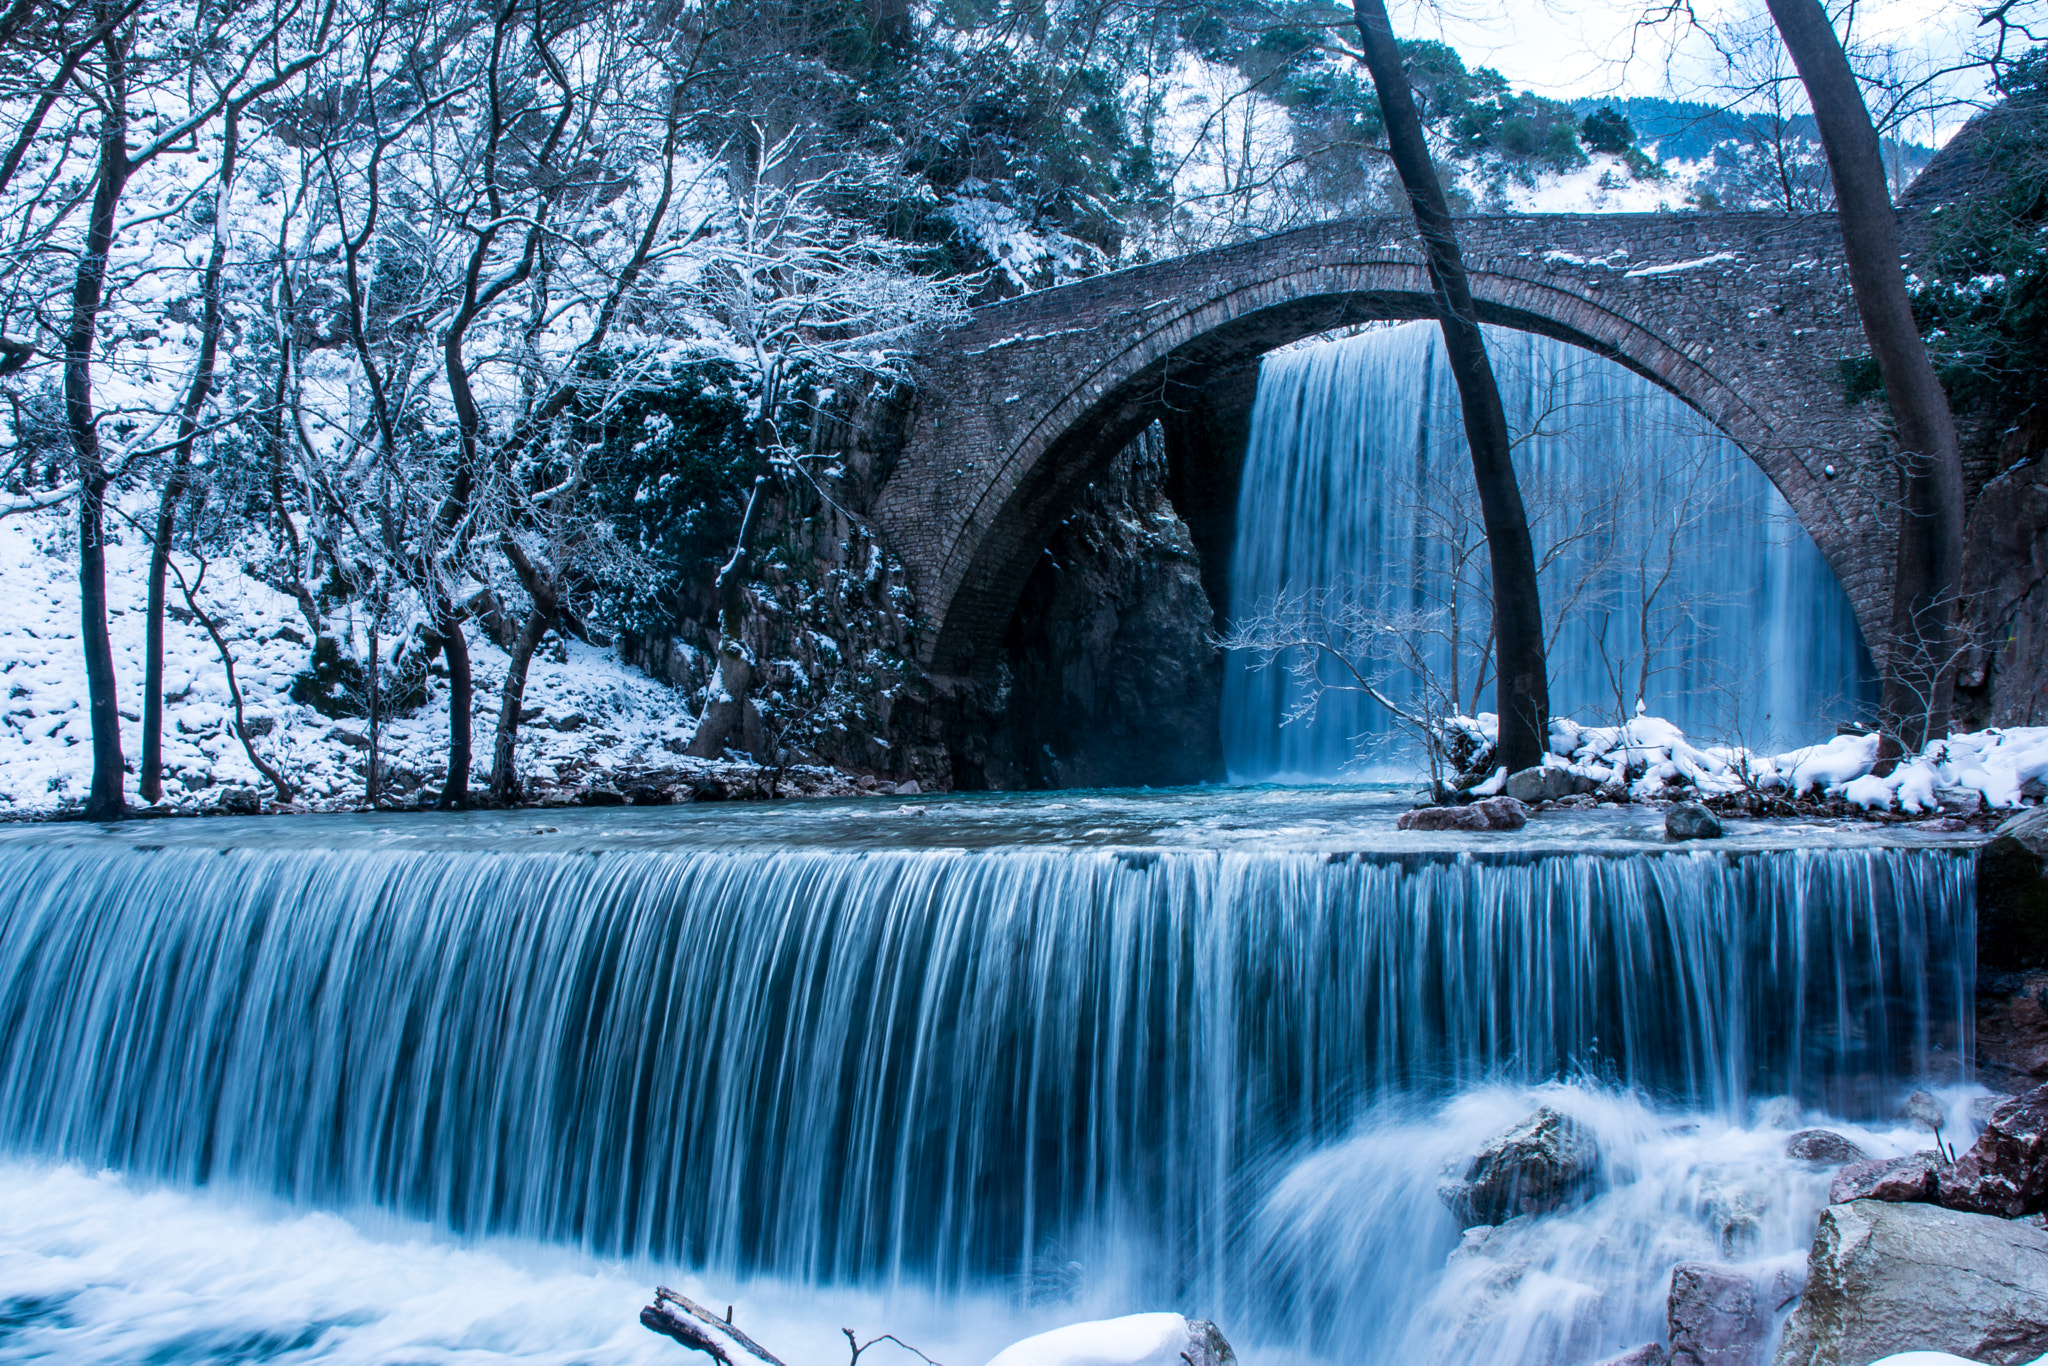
(1919, 681)
(546, 607)
(461, 696)
(150, 779)
(726, 708)
(106, 800)
(372, 681)
(1522, 689)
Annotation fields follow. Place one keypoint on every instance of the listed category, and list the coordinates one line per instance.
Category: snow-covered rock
(1133, 1340)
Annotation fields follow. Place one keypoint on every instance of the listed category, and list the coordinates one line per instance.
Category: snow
(611, 717)
(1648, 754)
(1605, 184)
(1134, 1340)
(1699, 263)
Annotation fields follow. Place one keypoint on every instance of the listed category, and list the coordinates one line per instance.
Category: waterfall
(1357, 480)
(939, 1066)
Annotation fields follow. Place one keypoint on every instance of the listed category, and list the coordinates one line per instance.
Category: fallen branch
(679, 1317)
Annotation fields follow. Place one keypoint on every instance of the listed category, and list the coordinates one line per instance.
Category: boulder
(2005, 1173)
(1134, 1340)
(1543, 784)
(1543, 1163)
(1722, 1315)
(1885, 1278)
(1494, 813)
(1649, 1354)
(2029, 828)
(238, 801)
(1822, 1146)
(1691, 821)
(1894, 1180)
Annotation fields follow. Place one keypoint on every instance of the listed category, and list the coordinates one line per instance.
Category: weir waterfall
(1118, 1053)
(1651, 530)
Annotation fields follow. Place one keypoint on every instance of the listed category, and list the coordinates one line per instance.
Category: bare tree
(128, 65)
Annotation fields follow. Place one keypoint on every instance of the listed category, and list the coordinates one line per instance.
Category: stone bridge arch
(1746, 317)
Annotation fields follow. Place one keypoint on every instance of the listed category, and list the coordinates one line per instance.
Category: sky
(1570, 48)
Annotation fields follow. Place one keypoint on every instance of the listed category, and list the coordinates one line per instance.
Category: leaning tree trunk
(1522, 687)
(725, 708)
(106, 801)
(547, 605)
(1919, 660)
(150, 780)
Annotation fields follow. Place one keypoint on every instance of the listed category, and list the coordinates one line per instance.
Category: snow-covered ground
(597, 716)
(1995, 768)
(595, 721)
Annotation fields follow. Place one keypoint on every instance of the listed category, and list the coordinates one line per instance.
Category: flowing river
(463, 1088)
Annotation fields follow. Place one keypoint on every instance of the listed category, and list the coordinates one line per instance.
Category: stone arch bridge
(1746, 317)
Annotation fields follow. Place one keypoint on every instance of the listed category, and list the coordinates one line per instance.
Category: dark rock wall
(1112, 679)
(2005, 573)
(1107, 677)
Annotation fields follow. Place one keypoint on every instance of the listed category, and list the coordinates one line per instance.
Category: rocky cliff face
(1111, 676)
(1107, 677)
(2005, 682)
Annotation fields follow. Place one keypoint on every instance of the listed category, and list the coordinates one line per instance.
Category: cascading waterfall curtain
(1356, 467)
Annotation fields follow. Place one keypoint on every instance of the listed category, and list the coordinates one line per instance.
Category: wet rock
(1649, 1354)
(1691, 821)
(2005, 1173)
(237, 801)
(1894, 1180)
(1542, 784)
(908, 789)
(1494, 813)
(602, 796)
(1543, 1163)
(1823, 1146)
(2012, 1026)
(1887, 1278)
(2012, 895)
(1924, 1110)
(2029, 828)
(1722, 1315)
